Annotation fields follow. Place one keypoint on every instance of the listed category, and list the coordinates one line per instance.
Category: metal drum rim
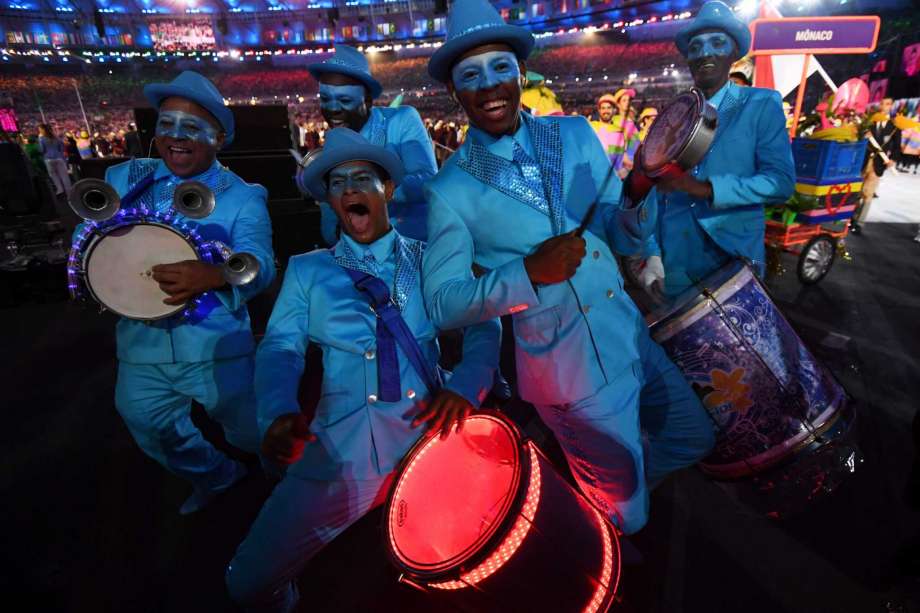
(95, 242)
(691, 310)
(779, 452)
(479, 551)
(701, 117)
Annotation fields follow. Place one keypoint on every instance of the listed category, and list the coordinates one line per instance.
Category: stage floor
(91, 524)
(898, 200)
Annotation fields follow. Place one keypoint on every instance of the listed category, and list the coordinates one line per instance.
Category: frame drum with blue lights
(111, 261)
(768, 396)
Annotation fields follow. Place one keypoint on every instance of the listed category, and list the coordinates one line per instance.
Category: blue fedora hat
(471, 23)
(192, 86)
(715, 15)
(350, 62)
(344, 145)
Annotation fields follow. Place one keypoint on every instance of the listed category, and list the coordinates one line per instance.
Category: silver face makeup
(344, 97)
(709, 44)
(355, 176)
(485, 71)
(181, 125)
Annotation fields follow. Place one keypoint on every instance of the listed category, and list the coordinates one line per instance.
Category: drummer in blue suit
(714, 212)
(375, 394)
(509, 200)
(346, 94)
(163, 365)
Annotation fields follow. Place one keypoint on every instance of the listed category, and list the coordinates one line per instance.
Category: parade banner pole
(82, 110)
(38, 102)
(800, 96)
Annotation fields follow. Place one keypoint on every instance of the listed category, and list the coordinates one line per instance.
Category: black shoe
(855, 228)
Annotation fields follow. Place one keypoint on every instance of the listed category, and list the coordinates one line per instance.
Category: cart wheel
(816, 259)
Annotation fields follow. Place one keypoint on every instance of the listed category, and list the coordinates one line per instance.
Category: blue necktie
(389, 386)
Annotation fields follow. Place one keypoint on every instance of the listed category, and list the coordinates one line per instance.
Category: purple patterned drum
(766, 393)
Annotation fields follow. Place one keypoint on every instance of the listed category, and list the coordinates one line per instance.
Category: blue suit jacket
(240, 219)
(571, 338)
(749, 165)
(358, 437)
(400, 130)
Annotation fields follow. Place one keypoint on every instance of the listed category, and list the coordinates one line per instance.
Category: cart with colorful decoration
(829, 161)
(815, 220)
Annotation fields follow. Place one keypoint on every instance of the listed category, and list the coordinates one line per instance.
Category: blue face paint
(181, 125)
(485, 71)
(341, 97)
(708, 44)
(355, 176)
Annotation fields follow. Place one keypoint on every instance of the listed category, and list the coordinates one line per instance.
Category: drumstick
(589, 214)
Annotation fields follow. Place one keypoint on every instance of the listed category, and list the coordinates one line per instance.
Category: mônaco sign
(814, 35)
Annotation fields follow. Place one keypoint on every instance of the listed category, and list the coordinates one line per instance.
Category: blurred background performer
(742, 72)
(646, 119)
(617, 132)
(584, 356)
(374, 397)
(714, 212)
(163, 365)
(888, 136)
(346, 94)
(538, 99)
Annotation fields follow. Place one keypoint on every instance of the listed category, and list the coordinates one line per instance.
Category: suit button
(372, 398)
(610, 293)
(410, 394)
(586, 308)
(596, 254)
(370, 354)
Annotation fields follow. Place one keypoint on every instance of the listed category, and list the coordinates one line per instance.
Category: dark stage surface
(90, 524)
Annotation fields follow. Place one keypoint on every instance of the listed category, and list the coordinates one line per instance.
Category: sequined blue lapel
(507, 177)
(375, 130)
(731, 104)
(405, 273)
(159, 196)
(547, 143)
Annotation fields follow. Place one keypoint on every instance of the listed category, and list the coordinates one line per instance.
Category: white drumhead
(670, 131)
(118, 269)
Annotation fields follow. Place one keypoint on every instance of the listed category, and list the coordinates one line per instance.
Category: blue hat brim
(442, 60)
(312, 178)
(157, 92)
(736, 29)
(372, 84)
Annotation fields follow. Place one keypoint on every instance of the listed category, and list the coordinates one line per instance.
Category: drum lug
(403, 579)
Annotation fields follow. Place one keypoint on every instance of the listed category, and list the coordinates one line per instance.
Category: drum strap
(137, 191)
(392, 330)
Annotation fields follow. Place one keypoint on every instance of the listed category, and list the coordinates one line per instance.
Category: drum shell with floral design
(763, 388)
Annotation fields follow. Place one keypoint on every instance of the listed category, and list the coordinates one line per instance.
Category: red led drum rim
(477, 553)
(512, 541)
(605, 588)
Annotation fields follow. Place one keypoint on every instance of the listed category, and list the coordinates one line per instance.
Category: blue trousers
(602, 435)
(155, 401)
(299, 518)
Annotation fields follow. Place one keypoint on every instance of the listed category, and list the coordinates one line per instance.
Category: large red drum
(483, 521)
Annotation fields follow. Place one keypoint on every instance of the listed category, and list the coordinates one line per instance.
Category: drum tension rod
(403, 579)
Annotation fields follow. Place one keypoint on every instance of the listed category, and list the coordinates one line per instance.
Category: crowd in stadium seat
(109, 92)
